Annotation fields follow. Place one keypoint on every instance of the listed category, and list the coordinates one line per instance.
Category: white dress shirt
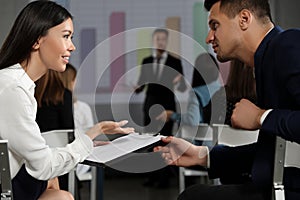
(159, 66)
(25, 142)
(83, 117)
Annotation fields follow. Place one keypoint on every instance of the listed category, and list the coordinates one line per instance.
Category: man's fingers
(167, 139)
(161, 149)
(156, 149)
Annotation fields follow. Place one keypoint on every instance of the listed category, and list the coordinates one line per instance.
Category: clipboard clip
(150, 134)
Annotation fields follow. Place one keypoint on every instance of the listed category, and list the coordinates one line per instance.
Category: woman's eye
(67, 36)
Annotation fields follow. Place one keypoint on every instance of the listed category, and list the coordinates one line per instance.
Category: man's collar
(269, 35)
(164, 55)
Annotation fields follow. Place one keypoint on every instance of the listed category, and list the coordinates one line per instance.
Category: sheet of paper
(121, 146)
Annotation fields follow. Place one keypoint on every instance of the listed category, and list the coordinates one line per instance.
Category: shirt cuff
(204, 152)
(84, 145)
(264, 115)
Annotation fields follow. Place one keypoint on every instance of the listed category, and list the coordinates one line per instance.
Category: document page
(122, 146)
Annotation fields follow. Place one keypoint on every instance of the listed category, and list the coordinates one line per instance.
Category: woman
(55, 105)
(205, 83)
(39, 40)
(55, 108)
(240, 84)
(83, 117)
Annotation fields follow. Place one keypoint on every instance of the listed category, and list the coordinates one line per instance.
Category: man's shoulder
(285, 42)
(170, 56)
(148, 59)
(289, 35)
(291, 31)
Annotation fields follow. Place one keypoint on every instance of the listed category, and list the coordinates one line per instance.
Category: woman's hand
(53, 184)
(177, 79)
(165, 115)
(100, 143)
(109, 127)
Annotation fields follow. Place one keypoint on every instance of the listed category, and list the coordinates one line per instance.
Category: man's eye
(214, 26)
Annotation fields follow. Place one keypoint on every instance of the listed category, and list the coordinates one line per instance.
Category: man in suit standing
(243, 29)
(160, 73)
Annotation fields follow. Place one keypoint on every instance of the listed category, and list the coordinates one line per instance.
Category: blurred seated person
(240, 84)
(55, 104)
(55, 108)
(83, 117)
(205, 83)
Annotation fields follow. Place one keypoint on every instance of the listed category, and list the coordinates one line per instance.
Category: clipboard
(122, 148)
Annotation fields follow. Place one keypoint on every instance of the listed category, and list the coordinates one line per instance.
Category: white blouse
(83, 117)
(25, 142)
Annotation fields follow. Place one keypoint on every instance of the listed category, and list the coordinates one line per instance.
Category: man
(243, 29)
(160, 72)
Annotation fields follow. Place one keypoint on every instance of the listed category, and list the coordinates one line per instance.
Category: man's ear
(245, 18)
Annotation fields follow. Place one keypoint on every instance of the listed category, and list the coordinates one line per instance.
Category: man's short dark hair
(209, 3)
(160, 30)
(231, 8)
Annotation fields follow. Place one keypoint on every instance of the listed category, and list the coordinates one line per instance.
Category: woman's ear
(245, 18)
(36, 45)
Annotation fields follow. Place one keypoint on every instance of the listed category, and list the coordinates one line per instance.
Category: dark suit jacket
(277, 73)
(161, 90)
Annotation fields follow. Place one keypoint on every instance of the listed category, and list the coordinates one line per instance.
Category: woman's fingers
(122, 123)
(100, 143)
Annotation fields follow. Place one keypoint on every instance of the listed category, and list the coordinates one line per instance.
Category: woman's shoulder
(68, 95)
(82, 104)
(68, 92)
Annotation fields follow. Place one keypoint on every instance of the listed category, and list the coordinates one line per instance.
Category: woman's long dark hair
(206, 70)
(33, 22)
(50, 89)
(240, 82)
(69, 76)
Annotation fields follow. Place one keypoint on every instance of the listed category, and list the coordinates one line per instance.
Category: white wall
(286, 13)
(9, 10)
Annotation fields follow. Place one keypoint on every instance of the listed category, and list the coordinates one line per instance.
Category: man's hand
(179, 152)
(246, 115)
